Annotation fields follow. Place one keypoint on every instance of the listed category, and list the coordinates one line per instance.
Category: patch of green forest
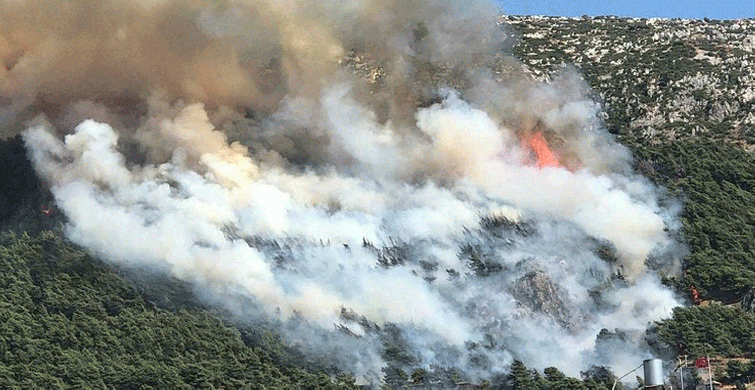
(709, 330)
(521, 378)
(715, 180)
(69, 321)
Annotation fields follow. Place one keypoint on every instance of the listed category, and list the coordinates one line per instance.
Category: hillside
(70, 321)
(659, 79)
(679, 94)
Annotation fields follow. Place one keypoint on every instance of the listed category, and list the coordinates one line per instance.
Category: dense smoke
(347, 167)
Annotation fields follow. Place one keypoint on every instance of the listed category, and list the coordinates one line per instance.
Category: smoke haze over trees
(395, 194)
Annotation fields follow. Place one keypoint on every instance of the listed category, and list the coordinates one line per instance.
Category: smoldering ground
(345, 168)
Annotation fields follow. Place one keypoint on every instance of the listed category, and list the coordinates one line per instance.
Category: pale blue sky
(734, 9)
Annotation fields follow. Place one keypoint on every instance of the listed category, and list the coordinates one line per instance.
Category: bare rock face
(537, 291)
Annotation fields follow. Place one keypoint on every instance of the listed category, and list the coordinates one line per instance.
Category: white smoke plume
(356, 164)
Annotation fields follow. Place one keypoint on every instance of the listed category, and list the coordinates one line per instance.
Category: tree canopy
(69, 321)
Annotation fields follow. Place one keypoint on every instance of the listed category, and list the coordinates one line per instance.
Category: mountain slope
(678, 93)
(70, 321)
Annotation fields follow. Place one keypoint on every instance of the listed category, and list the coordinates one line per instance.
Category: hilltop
(678, 94)
(658, 79)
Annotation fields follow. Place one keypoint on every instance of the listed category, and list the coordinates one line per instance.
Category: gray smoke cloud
(343, 165)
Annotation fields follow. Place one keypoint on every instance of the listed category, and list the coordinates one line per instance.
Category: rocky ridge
(658, 79)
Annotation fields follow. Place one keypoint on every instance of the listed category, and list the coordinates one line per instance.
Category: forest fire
(263, 201)
(537, 145)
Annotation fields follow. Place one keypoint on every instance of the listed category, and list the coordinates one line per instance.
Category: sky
(733, 9)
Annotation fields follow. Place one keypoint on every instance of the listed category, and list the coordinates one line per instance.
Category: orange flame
(537, 144)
